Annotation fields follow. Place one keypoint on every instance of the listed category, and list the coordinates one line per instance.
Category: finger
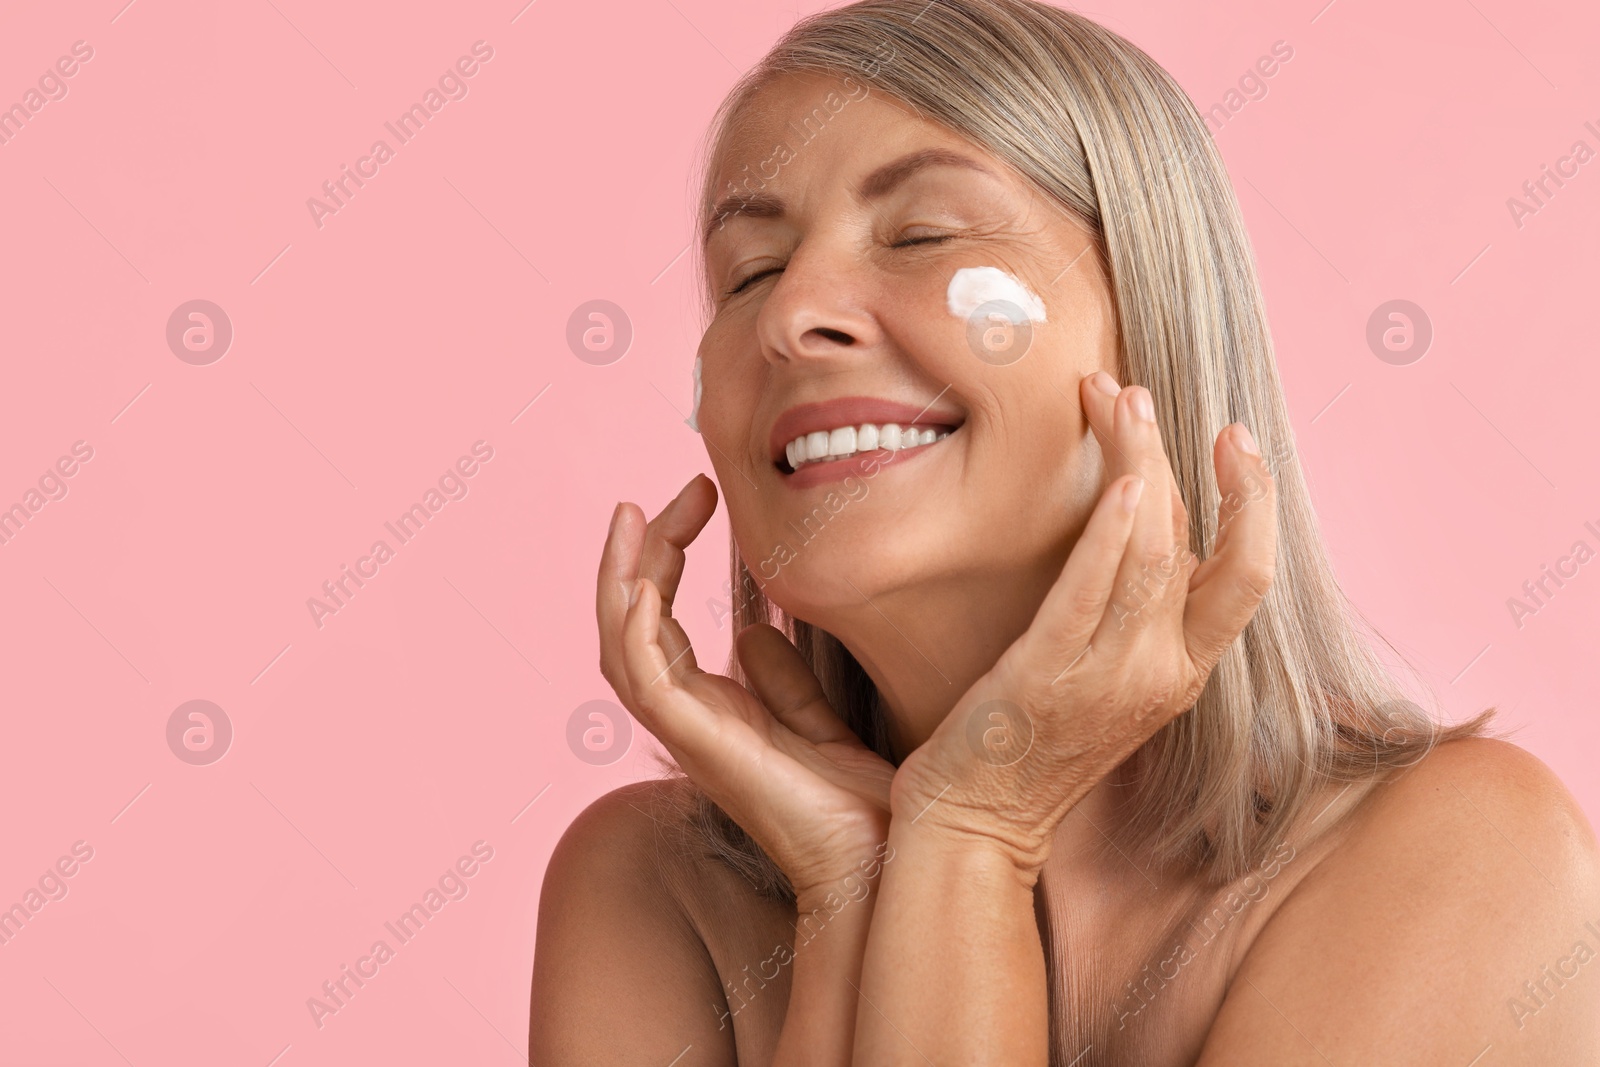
(1225, 590)
(1151, 577)
(1130, 440)
(786, 685)
(1102, 399)
(675, 643)
(672, 531)
(721, 754)
(1139, 438)
(1073, 608)
(662, 559)
(655, 552)
(660, 703)
(619, 568)
(1241, 477)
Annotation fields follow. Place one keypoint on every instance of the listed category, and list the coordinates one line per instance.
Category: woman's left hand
(1122, 644)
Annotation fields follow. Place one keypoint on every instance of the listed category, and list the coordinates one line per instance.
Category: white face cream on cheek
(694, 416)
(972, 287)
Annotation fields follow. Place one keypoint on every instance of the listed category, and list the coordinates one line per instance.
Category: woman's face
(842, 256)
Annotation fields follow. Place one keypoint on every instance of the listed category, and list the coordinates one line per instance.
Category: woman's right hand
(778, 760)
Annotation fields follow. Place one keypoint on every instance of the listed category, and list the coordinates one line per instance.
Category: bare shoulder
(626, 836)
(614, 928)
(1480, 806)
(1458, 912)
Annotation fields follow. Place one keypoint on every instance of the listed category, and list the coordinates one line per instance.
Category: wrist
(851, 882)
(833, 917)
(978, 807)
(968, 850)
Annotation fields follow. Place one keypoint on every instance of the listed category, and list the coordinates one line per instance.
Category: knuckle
(1144, 558)
(1255, 582)
(1180, 512)
(1085, 601)
(1158, 697)
(612, 672)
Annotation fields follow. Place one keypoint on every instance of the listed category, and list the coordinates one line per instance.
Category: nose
(818, 309)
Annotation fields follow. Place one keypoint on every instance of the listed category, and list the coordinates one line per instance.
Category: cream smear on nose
(972, 287)
(694, 416)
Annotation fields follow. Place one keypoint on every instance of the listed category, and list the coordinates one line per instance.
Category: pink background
(369, 354)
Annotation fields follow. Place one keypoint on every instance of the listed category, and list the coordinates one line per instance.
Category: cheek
(694, 414)
(1033, 457)
(725, 389)
(999, 316)
(727, 397)
(995, 292)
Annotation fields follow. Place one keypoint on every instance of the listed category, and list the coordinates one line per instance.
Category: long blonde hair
(1300, 698)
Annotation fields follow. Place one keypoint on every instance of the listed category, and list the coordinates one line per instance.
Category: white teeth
(842, 442)
(849, 440)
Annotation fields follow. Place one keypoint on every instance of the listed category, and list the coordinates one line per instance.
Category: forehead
(810, 131)
(819, 99)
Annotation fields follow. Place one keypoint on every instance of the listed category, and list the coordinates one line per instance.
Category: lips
(853, 411)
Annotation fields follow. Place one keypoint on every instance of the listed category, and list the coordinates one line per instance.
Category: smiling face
(831, 264)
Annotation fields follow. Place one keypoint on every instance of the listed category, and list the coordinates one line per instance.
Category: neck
(925, 646)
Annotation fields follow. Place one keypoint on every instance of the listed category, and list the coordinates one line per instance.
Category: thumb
(786, 685)
(1226, 589)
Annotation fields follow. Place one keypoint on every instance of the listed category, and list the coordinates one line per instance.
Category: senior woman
(1048, 736)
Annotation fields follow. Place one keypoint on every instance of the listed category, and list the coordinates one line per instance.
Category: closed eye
(746, 283)
(742, 286)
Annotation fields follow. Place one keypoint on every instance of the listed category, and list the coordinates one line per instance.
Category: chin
(815, 579)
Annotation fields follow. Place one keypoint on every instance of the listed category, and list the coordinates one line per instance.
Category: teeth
(848, 440)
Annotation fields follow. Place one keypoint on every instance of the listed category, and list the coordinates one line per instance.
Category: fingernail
(638, 585)
(1142, 406)
(615, 513)
(1131, 493)
(1105, 383)
(1243, 441)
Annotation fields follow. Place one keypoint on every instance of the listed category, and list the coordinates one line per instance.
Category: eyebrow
(878, 184)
